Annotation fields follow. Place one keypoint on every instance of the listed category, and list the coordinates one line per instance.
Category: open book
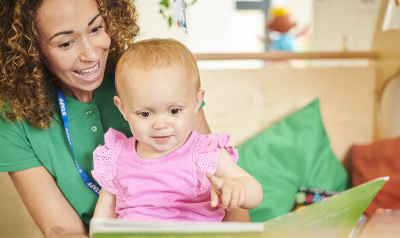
(383, 223)
(333, 217)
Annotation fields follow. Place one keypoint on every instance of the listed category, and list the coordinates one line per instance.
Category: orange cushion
(379, 159)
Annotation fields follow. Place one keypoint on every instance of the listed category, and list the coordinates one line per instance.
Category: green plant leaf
(192, 2)
(170, 21)
(162, 13)
(164, 3)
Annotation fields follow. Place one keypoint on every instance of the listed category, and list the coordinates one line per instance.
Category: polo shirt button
(94, 128)
(89, 112)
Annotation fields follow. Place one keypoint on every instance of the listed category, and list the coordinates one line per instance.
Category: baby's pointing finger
(215, 181)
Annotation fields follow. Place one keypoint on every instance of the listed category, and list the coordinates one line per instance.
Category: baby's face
(159, 105)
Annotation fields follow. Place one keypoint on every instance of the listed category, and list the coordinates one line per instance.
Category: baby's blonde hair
(156, 54)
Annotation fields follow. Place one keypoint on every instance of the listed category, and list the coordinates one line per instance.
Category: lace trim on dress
(205, 159)
(104, 160)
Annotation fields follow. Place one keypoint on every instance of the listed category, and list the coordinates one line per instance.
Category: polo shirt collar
(103, 97)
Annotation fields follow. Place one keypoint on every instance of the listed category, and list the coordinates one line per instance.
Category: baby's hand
(231, 192)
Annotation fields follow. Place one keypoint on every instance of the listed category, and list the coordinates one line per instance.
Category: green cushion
(292, 153)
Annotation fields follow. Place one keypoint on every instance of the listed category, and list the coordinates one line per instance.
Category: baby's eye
(175, 111)
(144, 114)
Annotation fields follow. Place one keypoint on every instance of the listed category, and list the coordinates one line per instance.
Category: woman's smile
(84, 72)
(75, 51)
(89, 75)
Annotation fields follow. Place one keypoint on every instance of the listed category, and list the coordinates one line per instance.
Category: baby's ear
(199, 100)
(118, 103)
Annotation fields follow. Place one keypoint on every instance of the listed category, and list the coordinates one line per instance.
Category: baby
(166, 171)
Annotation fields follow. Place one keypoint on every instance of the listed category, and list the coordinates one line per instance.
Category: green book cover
(333, 217)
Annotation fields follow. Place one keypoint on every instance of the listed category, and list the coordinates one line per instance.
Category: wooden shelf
(281, 55)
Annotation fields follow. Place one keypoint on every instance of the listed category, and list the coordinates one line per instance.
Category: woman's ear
(118, 103)
(199, 100)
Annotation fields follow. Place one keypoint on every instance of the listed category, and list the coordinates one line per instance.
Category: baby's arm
(105, 207)
(233, 186)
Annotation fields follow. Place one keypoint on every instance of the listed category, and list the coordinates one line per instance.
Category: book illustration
(358, 227)
(306, 196)
(131, 229)
(332, 217)
(384, 223)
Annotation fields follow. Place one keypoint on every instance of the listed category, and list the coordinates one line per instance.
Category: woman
(51, 48)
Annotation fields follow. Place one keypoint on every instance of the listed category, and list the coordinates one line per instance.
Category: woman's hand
(230, 192)
(46, 204)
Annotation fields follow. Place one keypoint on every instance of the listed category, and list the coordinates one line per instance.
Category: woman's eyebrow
(61, 33)
(70, 32)
(94, 18)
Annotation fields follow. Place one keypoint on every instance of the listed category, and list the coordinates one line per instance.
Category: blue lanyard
(63, 108)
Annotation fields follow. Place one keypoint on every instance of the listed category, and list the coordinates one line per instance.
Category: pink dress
(170, 188)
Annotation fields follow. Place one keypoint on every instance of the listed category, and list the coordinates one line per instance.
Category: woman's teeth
(85, 72)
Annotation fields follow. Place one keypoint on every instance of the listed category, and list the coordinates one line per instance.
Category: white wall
(152, 24)
(334, 19)
(215, 26)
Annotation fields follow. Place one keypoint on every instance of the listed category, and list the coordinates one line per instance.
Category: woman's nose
(88, 51)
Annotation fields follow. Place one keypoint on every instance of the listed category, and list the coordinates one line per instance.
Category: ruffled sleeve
(104, 160)
(205, 158)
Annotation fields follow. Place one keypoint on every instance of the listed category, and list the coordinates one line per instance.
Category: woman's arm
(237, 215)
(47, 205)
(201, 126)
(105, 207)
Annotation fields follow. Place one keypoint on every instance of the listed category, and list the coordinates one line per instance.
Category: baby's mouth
(161, 139)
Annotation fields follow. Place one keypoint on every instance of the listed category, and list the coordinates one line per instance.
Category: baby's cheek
(187, 126)
(137, 129)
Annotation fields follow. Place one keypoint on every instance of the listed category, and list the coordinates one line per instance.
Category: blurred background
(230, 26)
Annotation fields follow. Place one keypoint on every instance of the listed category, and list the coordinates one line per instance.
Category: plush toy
(281, 22)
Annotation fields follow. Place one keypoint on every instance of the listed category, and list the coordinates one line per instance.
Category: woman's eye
(144, 114)
(65, 44)
(96, 29)
(175, 111)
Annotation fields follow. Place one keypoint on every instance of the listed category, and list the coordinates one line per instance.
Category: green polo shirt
(23, 147)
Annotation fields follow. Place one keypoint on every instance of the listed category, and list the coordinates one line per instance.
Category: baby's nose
(160, 124)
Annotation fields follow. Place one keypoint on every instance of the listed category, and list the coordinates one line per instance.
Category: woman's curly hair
(26, 91)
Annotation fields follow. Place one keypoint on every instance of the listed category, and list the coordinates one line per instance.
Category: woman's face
(73, 44)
